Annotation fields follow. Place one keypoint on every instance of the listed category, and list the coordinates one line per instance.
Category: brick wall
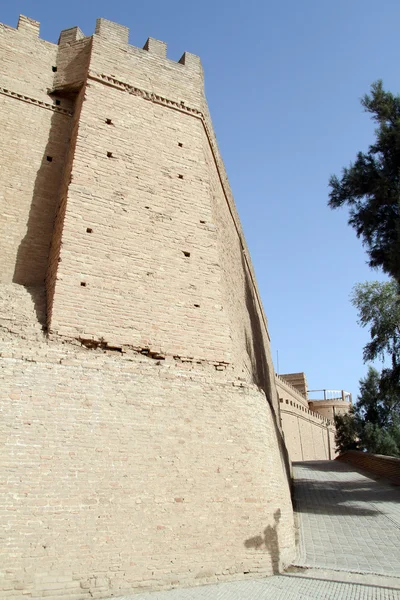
(123, 472)
(143, 444)
(35, 131)
(308, 435)
(330, 408)
(382, 466)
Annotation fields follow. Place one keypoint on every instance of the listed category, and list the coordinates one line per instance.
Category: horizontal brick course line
(157, 99)
(206, 364)
(35, 102)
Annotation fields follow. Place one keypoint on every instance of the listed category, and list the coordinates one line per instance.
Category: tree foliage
(378, 306)
(373, 425)
(371, 405)
(347, 432)
(380, 440)
(370, 186)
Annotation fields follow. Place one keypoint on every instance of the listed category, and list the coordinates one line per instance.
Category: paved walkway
(347, 521)
(310, 585)
(349, 549)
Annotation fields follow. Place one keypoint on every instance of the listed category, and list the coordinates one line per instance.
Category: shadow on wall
(261, 373)
(269, 542)
(255, 345)
(33, 252)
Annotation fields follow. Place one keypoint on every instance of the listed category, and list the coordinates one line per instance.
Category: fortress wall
(27, 60)
(72, 60)
(308, 435)
(148, 70)
(180, 165)
(33, 128)
(149, 264)
(58, 224)
(125, 471)
(133, 474)
(329, 408)
(250, 343)
(288, 392)
(297, 381)
(141, 289)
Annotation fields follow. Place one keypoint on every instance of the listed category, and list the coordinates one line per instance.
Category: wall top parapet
(111, 32)
(331, 396)
(290, 386)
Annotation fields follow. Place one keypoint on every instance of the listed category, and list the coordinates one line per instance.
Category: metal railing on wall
(331, 395)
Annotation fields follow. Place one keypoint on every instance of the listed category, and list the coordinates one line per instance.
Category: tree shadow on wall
(33, 252)
(269, 542)
(260, 370)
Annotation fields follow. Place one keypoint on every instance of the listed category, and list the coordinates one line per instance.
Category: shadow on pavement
(341, 497)
(325, 466)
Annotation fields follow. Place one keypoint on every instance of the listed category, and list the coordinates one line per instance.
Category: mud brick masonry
(141, 432)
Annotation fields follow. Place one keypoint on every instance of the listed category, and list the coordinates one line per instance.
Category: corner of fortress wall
(143, 446)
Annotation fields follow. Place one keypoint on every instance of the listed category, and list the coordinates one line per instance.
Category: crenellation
(68, 36)
(112, 32)
(156, 47)
(28, 26)
(192, 62)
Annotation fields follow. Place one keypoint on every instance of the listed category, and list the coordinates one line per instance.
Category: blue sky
(283, 81)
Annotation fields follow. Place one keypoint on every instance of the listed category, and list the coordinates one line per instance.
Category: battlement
(28, 26)
(112, 33)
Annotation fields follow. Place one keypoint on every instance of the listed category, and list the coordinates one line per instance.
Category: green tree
(373, 423)
(371, 406)
(379, 440)
(378, 306)
(347, 432)
(378, 407)
(377, 410)
(370, 186)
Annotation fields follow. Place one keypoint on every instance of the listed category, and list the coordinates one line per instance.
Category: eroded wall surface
(143, 446)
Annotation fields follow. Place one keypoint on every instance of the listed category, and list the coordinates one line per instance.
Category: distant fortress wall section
(143, 445)
(308, 434)
(330, 408)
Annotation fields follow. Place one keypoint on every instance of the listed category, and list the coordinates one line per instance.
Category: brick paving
(347, 520)
(349, 528)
